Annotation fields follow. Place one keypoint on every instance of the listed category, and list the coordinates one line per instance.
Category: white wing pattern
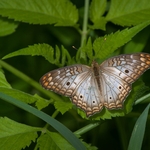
(92, 88)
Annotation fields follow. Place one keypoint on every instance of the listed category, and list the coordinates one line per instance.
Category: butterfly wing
(118, 73)
(64, 80)
(87, 95)
(76, 82)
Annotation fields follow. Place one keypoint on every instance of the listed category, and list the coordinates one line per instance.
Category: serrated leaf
(44, 50)
(137, 136)
(84, 51)
(60, 13)
(127, 13)
(41, 102)
(3, 81)
(7, 27)
(63, 106)
(97, 9)
(16, 136)
(105, 46)
(52, 140)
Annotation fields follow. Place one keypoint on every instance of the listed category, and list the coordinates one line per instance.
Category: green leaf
(99, 24)
(105, 46)
(137, 44)
(97, 9)
(7, 27)
(16, 136)
(65, 132)
(41, 102)
(89, 49)
(127, 12)
(44, 50)
(138, 131)
(27, 98)
(3, 81)
(60, 13)
(52, 140)
(63, 105)
(84, 51)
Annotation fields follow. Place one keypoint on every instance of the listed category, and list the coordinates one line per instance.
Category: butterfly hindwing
(87, 96)
(115, 90)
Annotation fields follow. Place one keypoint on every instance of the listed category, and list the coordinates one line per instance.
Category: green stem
(87, 128)
(85, 23)
(28, 80)
(55, 114)
(142, 99)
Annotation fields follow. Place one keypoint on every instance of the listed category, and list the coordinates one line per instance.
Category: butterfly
(105, 85)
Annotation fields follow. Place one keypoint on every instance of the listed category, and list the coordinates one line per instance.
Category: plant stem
(28, 80)
(55, 114)
(85, 22)
(142, 99)
(87, 128)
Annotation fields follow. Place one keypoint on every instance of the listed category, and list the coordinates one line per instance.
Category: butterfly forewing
(64, 80)
(127, 67)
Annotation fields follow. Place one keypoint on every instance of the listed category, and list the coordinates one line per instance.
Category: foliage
(50, 29)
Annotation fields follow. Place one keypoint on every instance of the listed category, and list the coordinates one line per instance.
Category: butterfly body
(105, 85)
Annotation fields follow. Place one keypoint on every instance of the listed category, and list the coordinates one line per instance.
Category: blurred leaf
(60, 13)
(7, 27)
(3, 81)
(16, 136)
(138, 131)
(52, 140)
(97, 9)
(127, 13)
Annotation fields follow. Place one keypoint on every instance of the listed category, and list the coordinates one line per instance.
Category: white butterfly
(105, 85)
